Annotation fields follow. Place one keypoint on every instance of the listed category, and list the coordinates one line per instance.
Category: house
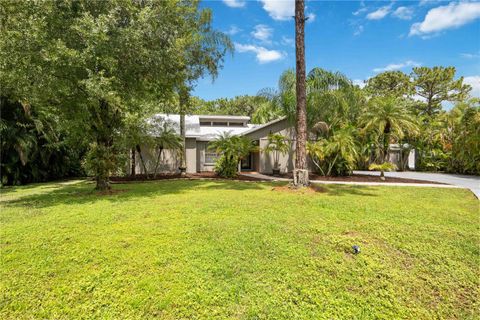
(202, 129)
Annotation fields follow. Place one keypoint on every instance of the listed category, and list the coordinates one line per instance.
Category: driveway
(469, 182)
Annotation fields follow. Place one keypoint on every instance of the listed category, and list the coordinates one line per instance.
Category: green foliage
(223, 249)
(101, 161)
(232, 150)
(226, 167)
(99, 62)
(390, 83)
(437, 85)
(337, 154)
(387, 121)
(386, 166)
(277, 145)
(34, 146)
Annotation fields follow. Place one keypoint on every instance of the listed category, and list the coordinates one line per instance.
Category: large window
(211, 157)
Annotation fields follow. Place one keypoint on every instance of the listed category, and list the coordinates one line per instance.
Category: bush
(226, 167)
(100, 161)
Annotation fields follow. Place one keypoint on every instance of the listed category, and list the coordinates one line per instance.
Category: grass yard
(217, 249)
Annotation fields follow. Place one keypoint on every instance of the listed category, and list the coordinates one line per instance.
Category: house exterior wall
(169, 162)
(191, 154)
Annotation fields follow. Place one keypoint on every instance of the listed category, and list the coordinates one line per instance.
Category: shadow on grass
(82, 192)
(344, 189)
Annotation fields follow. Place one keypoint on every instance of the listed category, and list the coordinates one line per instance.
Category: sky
(357, 38)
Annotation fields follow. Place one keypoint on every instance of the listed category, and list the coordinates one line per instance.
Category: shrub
(226, 167)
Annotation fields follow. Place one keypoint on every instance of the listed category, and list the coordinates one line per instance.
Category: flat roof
(222, 117)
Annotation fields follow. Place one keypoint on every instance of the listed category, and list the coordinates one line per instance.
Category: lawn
(217, 249)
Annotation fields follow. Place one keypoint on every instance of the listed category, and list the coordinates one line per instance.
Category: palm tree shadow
(345, 189)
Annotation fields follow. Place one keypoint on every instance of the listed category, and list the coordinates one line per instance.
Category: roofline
(263, 126)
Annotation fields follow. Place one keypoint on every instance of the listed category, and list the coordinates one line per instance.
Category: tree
(390, 83)
(300, 173)
(98, 61)
(388, 120)
(437, 85)
(233, 149)
(277, 145)
(204, 54)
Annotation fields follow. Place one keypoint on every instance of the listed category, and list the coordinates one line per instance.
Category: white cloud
(233, 30)
(470, 55)
(474, 81)
(404, 13)
(311, 17)
(397, 66)
(450, 16)
(359, 11)
(358, 30)
(279, 10)
(379, 13)
(283, 9)
(358, 82)
(234, 3)
(288, 41)
(263, 55)
(262, 32)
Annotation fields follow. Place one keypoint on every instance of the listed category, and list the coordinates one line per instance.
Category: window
(205, 123)
(219, 124)
(210, 157)
(236, 124)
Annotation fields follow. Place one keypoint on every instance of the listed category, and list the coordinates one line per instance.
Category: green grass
(214, 249)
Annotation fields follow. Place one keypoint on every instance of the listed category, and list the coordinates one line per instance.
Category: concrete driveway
(469, 182)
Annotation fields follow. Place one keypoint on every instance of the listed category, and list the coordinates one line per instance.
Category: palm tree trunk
(183, 97)
(139, 150)
(160, 150)
(132, 163)
(300, 173)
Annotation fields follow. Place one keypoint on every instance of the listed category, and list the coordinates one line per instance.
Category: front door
(246, 163)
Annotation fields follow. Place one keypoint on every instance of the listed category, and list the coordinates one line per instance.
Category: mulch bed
(361, 178)
(177, 176)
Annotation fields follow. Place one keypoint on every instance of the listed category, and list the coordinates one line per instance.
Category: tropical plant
(277, 145)
(166, 139)
(382, 167)
(387, 120)
(337, 154)
(232, 150)
(34, 146)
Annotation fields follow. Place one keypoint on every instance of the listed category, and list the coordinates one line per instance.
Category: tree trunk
(183, 99)
(139, 150)
(132, 163)
(300, 174)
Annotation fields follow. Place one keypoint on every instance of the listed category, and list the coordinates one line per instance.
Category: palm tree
(388, 119)
(336, 154)
(300, 173)
(277, 145)
(168, 139)
(233, 149)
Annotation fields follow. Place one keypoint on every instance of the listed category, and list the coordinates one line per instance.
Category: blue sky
(357, 38)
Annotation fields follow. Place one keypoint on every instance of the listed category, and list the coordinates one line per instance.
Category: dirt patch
(306, 190)
(360, 178)
(177, 176)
